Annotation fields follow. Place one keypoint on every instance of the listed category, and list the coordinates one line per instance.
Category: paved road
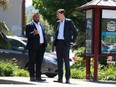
(24, 82)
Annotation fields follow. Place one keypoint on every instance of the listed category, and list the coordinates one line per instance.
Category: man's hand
(35, 32)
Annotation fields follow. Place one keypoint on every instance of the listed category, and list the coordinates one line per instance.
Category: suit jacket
(70, 32)
(34, 40)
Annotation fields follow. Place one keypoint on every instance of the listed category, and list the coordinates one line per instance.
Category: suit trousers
(35, 61)
(62, 51)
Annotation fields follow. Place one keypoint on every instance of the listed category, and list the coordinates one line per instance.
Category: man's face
(36, 17)
(59, 15)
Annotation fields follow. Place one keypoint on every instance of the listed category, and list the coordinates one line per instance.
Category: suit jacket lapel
(34, 26)
(57, 28)
(65, 23)
(42, 28)
(58, 24)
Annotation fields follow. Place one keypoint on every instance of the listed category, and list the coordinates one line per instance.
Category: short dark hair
(61, 11)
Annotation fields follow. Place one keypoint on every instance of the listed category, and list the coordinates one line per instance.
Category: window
(16, 44)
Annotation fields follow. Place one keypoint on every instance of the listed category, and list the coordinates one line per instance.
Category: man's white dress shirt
(61, 30)
(38, 26)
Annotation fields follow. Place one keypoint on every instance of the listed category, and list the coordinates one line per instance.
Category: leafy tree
(4, 4)
(48, 10)
(4, 43)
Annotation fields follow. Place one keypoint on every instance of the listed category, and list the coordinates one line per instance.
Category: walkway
(24, 82)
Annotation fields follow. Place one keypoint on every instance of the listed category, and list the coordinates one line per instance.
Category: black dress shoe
(60, 81)
(32, 79)
(67, 81)
(41, 80)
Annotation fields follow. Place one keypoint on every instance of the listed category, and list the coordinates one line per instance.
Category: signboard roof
(99, 3)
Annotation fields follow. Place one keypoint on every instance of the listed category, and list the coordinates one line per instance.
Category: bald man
(36, 47)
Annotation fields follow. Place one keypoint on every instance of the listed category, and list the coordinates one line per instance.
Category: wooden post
(87, 67)
(23, 16)
(97, 16)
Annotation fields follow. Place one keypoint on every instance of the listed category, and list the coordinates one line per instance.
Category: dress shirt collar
(62, 20)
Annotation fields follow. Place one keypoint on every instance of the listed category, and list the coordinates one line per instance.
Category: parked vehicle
(72, 57)
(19, 55)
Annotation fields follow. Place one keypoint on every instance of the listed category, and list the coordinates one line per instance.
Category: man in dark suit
(36, 46)
(65, 34)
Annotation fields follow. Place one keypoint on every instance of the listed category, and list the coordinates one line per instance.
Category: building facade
(14, 16)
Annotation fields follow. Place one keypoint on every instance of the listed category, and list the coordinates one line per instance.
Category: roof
(99, 3)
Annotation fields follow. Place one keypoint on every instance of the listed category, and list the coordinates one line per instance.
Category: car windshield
(15, 44)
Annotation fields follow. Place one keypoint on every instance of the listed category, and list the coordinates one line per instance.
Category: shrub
(21, 72)
(8, 68)
(78, 74)
(107, 73)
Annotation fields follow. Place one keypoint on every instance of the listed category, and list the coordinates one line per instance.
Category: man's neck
(35, 22)
(63, 18)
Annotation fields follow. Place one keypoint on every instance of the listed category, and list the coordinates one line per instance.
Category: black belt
(41, 43)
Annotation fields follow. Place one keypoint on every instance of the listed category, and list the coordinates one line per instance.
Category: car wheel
(50, 75)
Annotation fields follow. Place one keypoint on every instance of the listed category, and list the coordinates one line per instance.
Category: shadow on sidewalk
(14, 82)
(105, 82)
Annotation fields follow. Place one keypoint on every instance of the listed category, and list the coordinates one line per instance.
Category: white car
(71, 56)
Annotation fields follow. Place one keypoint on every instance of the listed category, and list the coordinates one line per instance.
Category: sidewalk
(24, 82)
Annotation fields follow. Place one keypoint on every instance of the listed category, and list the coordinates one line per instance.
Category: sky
(28, 3)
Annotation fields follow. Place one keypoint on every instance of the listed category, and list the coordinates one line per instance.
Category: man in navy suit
(66, 34)
(36, 46)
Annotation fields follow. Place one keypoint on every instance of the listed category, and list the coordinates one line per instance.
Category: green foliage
(48, 9)
(81, 39)
(105, 71)
(80, 52)
(79, 58)
(3, 28)
(78, 74)
(4, 43)
(8, 68)
(103, 60)
(21, 72)
(78, 69)
(108, 72)
(46, 25)
(4, 4)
